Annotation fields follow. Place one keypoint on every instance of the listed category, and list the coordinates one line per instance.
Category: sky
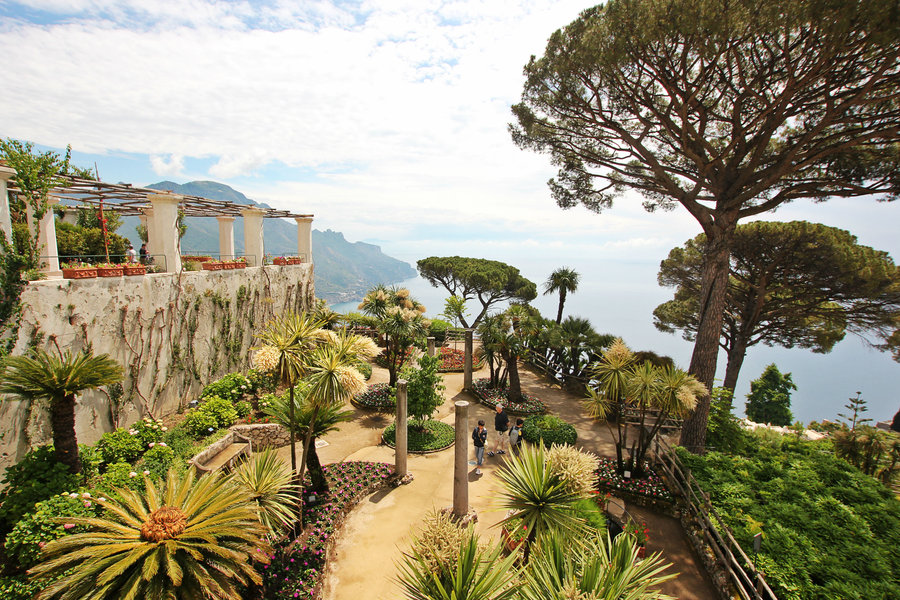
(388, 121)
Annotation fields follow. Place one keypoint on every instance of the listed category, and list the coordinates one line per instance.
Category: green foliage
(200, 423)
(20, 587)
(855, 408)
(438, 330)
(365, 369)
(243, 408)
(120, 446)
(148, 430)
(424, 387)
(261, 381)
(455, 310)
(874, 452)
(181, 440)
(425, 437)
(121, 475)
(42, 525)
(222, 409)
(488, 281)
(589, 512)
(723, 430)
(75, 242)
(550, 429)
(830, 531)
(769, 400)
(158, 460)
(37, 477)
(231, 387)
(355, 319)
(562, 281)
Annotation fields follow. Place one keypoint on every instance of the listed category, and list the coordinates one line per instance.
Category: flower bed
(297, 569)
(651, 486)
(454, 361)
(436, 436)
(379, 396)
(491, 396)
(382, 361)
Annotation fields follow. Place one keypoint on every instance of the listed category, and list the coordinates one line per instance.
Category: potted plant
(514, 534)
(134, 269)
(280, 260)
(641, 534)
(109, 270)
(212, 265)
(240, 263)
(78, 270)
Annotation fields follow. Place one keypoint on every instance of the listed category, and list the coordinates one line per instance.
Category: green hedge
(549, 428)
(435, 436)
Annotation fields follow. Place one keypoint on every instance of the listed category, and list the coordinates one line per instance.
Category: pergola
(159, 212)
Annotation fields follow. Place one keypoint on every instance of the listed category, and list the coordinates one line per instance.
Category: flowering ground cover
(650, 486)
(454, 361)
(297, 568)
(491, 396)
(378, 396)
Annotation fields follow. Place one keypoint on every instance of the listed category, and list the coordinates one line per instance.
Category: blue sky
(387, 120)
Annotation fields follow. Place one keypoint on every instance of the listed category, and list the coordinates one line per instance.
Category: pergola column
(6, 173)
(45, 231)
(226, 237)
(253, 236)
(164, 230)
(460, 460)
(304, 238)
(467, 365)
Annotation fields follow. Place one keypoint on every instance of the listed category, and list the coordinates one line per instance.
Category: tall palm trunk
(562, 302)
(316, 473)
(514, 392)
(62, 422)
(293, 422)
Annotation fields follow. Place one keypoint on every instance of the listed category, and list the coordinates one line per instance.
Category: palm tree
(192, 539)
(536, 496)
(477, 574)
(270, 485)
(287, 341)
(326, 421)
(563, 280)
(607, 397)
(58, 381)
(562, 568)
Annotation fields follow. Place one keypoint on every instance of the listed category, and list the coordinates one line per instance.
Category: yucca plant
(269, 483)
(562, 568)
(475, 574)
(191, 539)
(58, 380)
(536, 496)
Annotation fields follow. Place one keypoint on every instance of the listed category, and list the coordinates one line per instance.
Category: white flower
(73, 495)
(132, 474)
(133, 431)
(151, 444)
(163, 443)
(266, 358)
(165, 428)
(148, 472)
(102, 499)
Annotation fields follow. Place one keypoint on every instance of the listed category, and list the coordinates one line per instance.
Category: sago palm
(193, 539)
(536, 496)
(563, 280)
(57, 380)
(269, 484)
(562, 568)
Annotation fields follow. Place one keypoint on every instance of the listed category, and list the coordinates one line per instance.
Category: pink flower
(69, 525)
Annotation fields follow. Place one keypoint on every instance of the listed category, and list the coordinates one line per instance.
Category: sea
(618, 297)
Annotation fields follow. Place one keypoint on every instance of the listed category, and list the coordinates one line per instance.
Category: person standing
(501, 424)
(143, 254)
(479, 438)
(515, 437)
(130, 253)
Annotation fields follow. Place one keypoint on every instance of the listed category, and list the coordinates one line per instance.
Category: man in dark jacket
(479, 437)
(501, 424)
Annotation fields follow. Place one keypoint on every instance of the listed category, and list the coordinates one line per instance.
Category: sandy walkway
(378, 530)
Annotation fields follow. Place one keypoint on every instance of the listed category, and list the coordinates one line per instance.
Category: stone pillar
(253, 236)
(6, 173)
(400, 448)
(226, 237)
(164, 230)
(467, 374)
(48, 255)
(70, 216)
(430, 346)
(304, 238)
(147, 221)
(461, 460)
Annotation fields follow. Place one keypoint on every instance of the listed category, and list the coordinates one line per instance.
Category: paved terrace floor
(377, 531)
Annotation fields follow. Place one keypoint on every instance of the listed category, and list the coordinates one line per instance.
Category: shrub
(231, 387)
(438, 330)
(35, 529)
(360, 320)
(438, 541)
(575, 467)
(21, 587)
(158, 460)
(262, 381)
(91, 461)
(121, 475)
(365, 369)
(432, 436)
(587, 509)
(549, 428)
(148, 430)
(200, 423)
(180, 440)
(243, 408)
(221, 409)
(423, 391)
(35, 478)
(121, 445)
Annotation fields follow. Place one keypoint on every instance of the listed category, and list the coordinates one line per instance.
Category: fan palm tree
(269, 483)
(192, 539)
(562, 568)
(327, 421)
(58, 380)
(537, 497)
(564, 281)
(478, 574)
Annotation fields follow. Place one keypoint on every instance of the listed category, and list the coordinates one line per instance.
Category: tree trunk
(293, 426)
(562, 302)
(62, 421)
(713, 288)
(316, 472)
(514, 393)
(306, 443)
(736, 355)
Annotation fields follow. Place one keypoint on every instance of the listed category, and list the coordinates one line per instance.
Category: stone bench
(223, 454)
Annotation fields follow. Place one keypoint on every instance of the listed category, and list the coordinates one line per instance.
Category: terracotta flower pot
(135, 269)
(211, 266)
(280, 261)
(110, 271)
(79, 273)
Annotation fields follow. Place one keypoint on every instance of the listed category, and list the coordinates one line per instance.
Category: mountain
(344, 270)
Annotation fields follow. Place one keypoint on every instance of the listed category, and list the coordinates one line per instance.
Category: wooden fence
(747, 580)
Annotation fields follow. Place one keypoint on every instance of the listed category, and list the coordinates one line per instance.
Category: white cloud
(171, 167)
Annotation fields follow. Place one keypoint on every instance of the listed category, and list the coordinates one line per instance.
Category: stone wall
(173, 333)
(264, 435)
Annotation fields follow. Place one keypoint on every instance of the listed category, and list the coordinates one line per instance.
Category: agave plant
(475, 574)
(562, 569)
(192, 539)
(270, 485)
